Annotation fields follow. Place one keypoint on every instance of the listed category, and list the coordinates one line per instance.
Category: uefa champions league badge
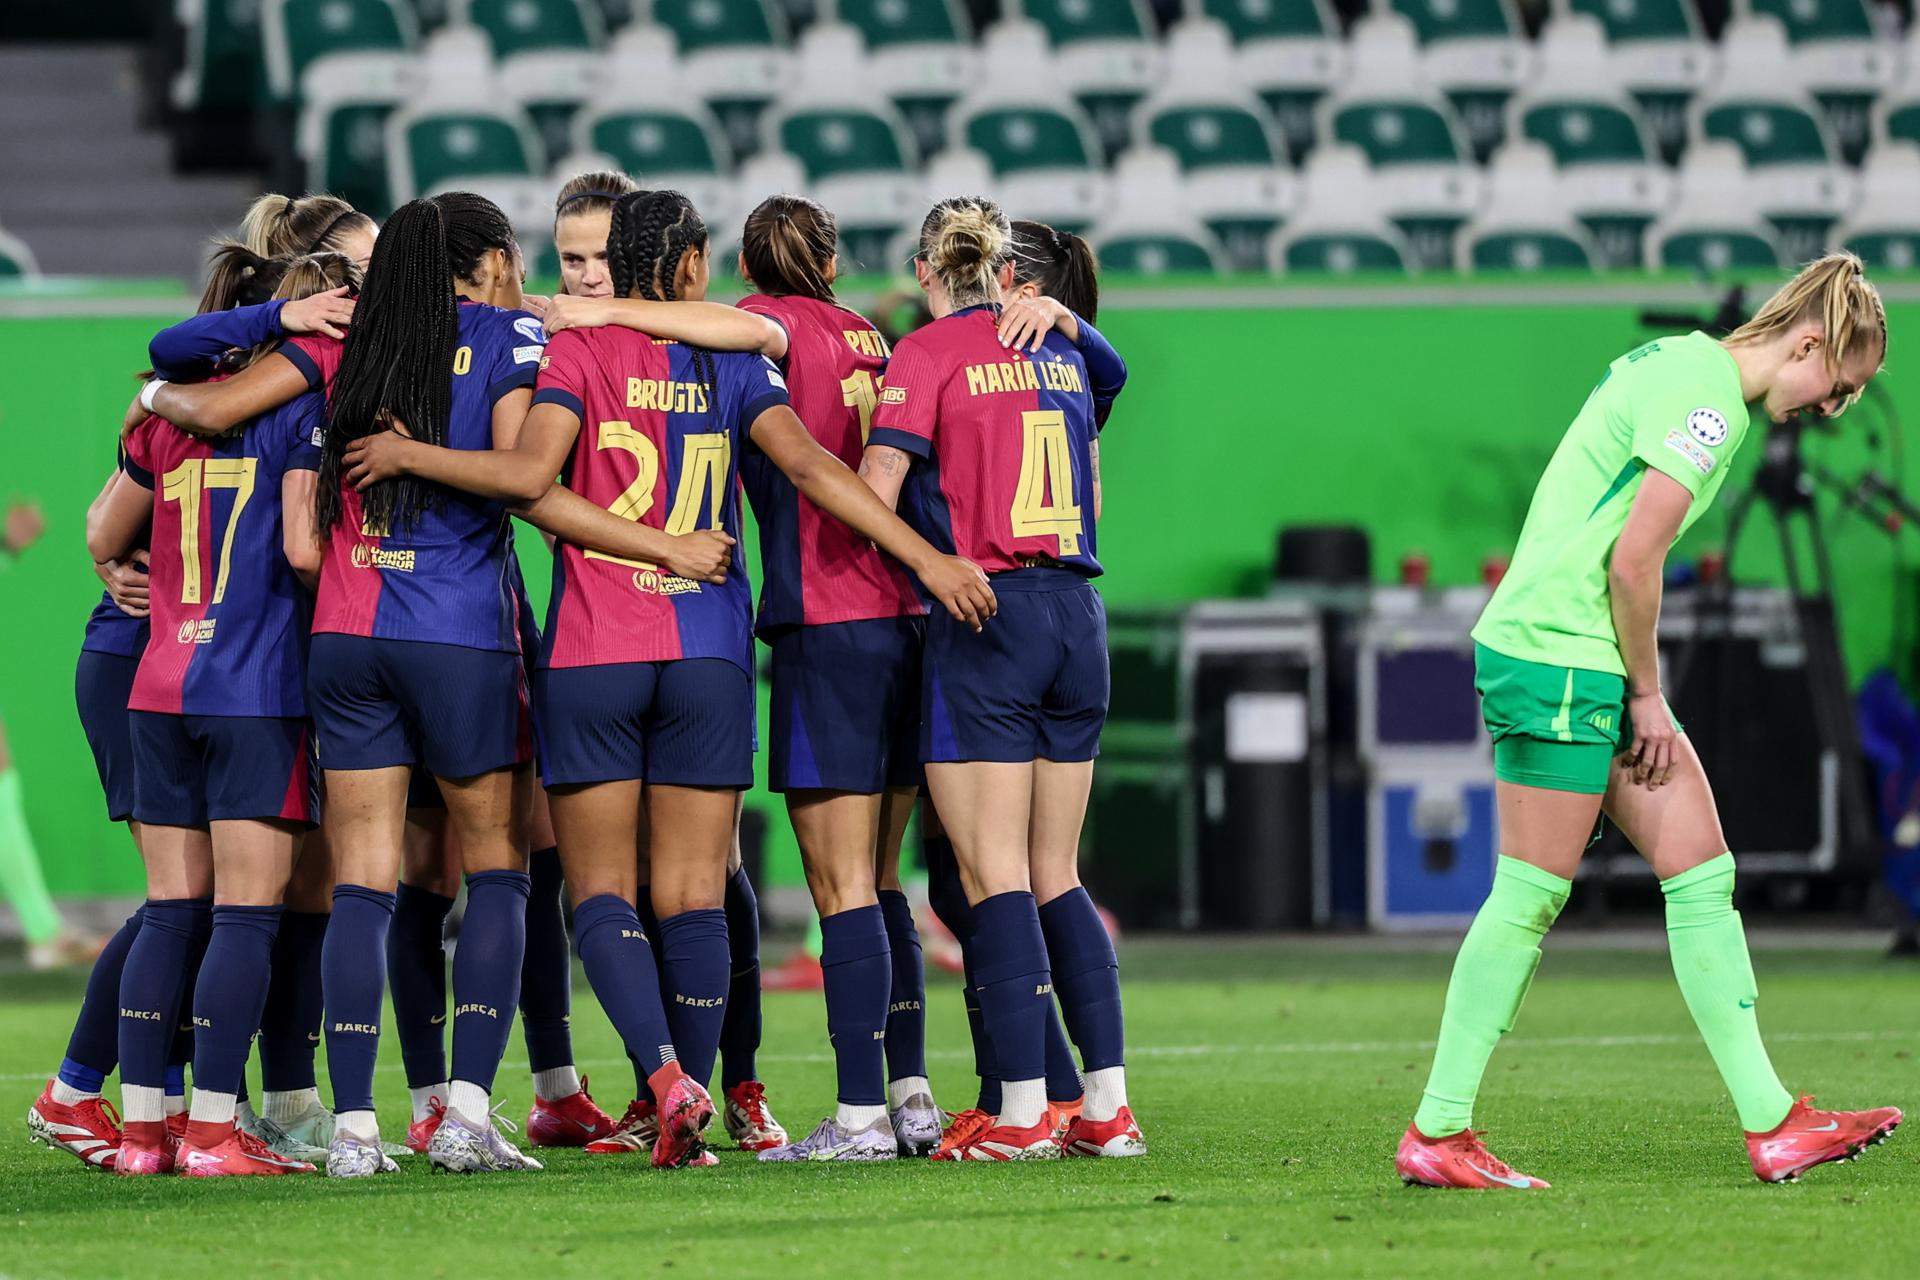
(1708, 426)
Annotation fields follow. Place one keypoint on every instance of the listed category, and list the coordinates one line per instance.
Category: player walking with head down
(646, 686)
(1569, 678)
(997, 442)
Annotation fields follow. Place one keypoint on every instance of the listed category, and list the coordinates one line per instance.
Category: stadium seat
(1711, 226)
(298, 33)
(342, 140)
(1289, 52)
(1604, 155)
(1106, 55)
(1884, 227)
(1019, 137)
(651, 138)
(1207, 132)
(1311, 251)
(1418, 157)
(1241, 206)
(546, 50)
(432, 143)
(1336, 226)
(920, 54)
(1579, 129)
(1228, 159)
(729, 53)
(1157, 251)
(225, 66)
(1527, 223)
(1662, 59)
(1472, 51)
(834, 138)
(16, 260)
(1835, 56)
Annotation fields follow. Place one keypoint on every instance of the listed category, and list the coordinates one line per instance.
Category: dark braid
(650, 234)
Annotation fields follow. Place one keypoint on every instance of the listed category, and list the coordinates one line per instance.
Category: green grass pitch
(1272, 1081)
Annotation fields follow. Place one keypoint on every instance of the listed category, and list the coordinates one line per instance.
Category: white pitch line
(1285, 1047)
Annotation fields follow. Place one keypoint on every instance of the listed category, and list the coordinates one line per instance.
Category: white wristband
(148, 392)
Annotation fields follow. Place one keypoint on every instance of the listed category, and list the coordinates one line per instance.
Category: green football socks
(1709, 949)
(1490, 978)
(20, 879)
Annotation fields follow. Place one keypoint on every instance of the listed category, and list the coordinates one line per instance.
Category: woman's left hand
(565, 311)
(537, 303)
(380, 456)
(1024, 324)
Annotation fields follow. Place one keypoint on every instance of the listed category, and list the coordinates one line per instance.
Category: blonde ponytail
(965, 241)
(1833, 290)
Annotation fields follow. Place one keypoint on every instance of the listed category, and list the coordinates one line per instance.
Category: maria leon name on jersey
(667, 397)
(1023, 375)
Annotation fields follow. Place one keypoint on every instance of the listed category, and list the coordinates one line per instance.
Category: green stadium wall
(1427, 423)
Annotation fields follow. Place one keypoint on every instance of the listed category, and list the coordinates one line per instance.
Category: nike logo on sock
(437, 1019)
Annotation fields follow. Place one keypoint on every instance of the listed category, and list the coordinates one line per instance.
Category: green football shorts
(1552, 727)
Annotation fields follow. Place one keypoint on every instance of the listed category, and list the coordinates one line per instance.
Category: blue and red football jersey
(445, 578)
(108, 629)
(229, 617)
(659, 447)
(1003, 477)
(816, 569)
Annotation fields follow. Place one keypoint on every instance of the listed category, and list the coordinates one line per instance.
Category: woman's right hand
(564, 311)
(1656, 744)
(962, 586)
(126, 583)
(328, 313)
(704, 555)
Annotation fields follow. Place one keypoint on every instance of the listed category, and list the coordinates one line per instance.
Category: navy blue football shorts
(1032, 685)
(687, 722)
(845, 713)
(102, 683)
(451, 710)
(192, 770)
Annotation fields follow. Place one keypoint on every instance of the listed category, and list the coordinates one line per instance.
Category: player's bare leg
(987, 808)
(1676, 828)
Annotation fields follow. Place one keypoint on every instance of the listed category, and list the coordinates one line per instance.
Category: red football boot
(1808, 1137)
(749, 1123)
(1461, 1160)
(1119, 1136)
(685, 1113)
(1062, 1114)
(89, 1129)
(572, 1121)
(145, 1148)
(226, 1150)
(963, 1129)
(420, 1132)
(638, 1130)
(1004, 1142)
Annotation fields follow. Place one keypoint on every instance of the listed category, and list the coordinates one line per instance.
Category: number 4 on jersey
(1045, 505)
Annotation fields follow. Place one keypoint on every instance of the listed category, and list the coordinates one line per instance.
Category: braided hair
(651, 234)
(399, 352)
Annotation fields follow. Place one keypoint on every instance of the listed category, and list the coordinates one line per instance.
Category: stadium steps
(114, 206)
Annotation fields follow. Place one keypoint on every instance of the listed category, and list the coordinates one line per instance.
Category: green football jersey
(1673, 405)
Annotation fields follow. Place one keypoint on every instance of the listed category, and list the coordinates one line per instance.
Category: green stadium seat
(433, 144)
(1638, 20)
(1711, 251)
(1900, 120)
(1070, 22)
(1240, 205)
(1341, 253)
(1883, 227)
(1394, 131)
(919, 54)
(1209, 133)
(225, 67)
(1289, 52)
(1437, 21)
(702, 25)
(1807, 21)
(730, 54)
(1521, 251)
(1581, 130)
(16, 260)
(1473, 52)
(1767, 131)
(1895, 250)
(654, 138)
(1837, 58)
(830, 140)
(1105, 54)
(1157, 252)
(1250, 20)
(532, 26)
(343, 141)
(1664, 59)
(298, 33)
(1021, 137)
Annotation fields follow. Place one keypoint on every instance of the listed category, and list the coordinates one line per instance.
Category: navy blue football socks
(152, 983)
(93, 1050)
(906, 1042)
(695, 965)
(417, 970)
(855, 961)
(1086, 977)
(353, 970)
(740, 1028)
(546, 970)
(1016, 990)
(290, 1024)
(486, 973)
(230, 994)
(619, 962)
